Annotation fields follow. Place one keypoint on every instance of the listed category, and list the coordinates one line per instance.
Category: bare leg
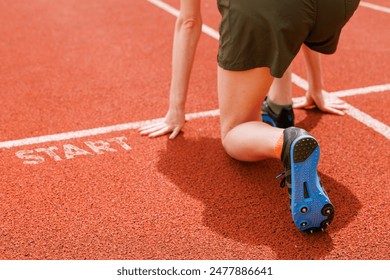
(313, 69)
(244, 136)
(281, 90)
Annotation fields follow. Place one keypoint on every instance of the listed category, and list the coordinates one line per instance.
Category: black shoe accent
(289, 135)
(305, 191)
(284, 119)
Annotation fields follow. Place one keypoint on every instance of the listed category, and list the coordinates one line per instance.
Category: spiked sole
(310, 206)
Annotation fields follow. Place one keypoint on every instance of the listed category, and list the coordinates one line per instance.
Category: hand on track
(326, 104)
(172, 123)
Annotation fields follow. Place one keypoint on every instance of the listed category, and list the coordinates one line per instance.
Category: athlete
(258, 41)
(277, 109)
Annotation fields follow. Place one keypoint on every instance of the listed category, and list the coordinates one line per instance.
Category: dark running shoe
(310, 206)
(283, 120)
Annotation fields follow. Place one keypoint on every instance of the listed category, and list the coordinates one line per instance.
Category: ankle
(279, 146)
(277, 108)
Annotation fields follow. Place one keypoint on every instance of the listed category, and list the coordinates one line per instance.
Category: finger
(160, 132)
(300, 104)
(336, 112)
(336, 101)
(153, 129)
(339, 106)
(175, 132)
(149, 126)
(309, 107)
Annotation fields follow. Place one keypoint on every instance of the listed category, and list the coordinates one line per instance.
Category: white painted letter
(71, 151)
(120, 140)
(99, 146)
(49, 151)
(29, 159)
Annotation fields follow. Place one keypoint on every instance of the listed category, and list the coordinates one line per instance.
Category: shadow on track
(243, 201)
(312, 118)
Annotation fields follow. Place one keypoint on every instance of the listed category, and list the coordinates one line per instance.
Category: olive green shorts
(269, 33)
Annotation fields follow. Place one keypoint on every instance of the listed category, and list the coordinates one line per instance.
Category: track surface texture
(77, 181)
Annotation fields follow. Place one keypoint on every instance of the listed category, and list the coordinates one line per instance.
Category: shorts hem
(245, 67)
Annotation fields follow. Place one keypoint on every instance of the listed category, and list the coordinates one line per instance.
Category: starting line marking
(374, 7)
(362, 117)
(74, 134)
(367, 120)
(69, 151)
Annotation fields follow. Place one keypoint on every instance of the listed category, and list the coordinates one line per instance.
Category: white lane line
(369, 121)
(375, 7)
(211, 32)
(95, 131)
(355, 113)
(164, 6)
(365, 90)
(173, 11)
(302, 83)
(204, 114)
(72, 134)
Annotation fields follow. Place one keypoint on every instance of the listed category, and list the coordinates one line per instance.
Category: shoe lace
(285, 174)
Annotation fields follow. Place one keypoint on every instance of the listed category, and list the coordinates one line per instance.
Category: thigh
(240, 96)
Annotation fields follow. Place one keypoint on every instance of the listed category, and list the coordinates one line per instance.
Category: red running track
(69, 66)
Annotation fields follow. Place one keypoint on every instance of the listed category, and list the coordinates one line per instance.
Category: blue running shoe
(310, 206)
(282, 120)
